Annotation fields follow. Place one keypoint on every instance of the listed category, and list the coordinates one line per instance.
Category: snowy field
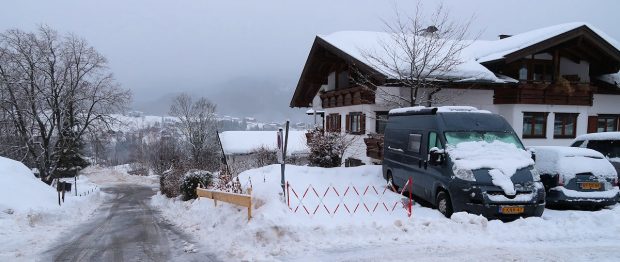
(278, 234)
(30, 218)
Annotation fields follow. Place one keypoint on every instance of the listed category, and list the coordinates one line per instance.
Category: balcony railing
(345, 97)
(574, 94)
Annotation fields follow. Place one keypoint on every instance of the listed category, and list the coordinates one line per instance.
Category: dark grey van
(414, 148)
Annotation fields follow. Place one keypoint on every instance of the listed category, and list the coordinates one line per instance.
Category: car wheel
(444, 204)
(390, 182)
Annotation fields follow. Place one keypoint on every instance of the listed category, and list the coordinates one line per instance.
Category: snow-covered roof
(565, 151)
(357, 43)
(599, 136)
(244, 142)
(441, 109)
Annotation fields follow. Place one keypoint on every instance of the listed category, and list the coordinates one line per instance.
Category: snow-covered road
(126, 228)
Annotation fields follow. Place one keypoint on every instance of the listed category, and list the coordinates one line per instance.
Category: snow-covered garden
(276, 232)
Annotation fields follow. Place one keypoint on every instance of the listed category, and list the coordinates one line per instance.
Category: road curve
(126, 228)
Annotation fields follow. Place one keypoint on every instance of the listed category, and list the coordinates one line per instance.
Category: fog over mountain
(247, 55)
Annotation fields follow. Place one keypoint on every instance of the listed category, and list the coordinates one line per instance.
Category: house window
(415, 141)
(332, 123)
(607, 124)
(356, 123)
(381, 121)
(565, 125)
(534, 124)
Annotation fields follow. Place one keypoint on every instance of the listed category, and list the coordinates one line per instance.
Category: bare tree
(421, 54)
(56, 89)
(197, 123)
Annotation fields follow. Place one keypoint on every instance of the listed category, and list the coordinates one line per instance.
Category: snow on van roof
(599, 136)
(570, 161)
(441, 109)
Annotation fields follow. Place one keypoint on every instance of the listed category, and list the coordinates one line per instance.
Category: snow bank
(22, 191)
(277, 234)
(243, 142)
(570, 161)
(30, 217)
(503, 160)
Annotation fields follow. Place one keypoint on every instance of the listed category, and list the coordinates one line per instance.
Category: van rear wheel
(444, 204)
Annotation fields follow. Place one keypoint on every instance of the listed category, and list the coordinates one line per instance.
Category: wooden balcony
(346, 97)
(545, 94)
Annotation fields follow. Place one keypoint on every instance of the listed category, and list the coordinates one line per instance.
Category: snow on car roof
(244, 142)
(441, 109)
(569, 161)
(599, 136)
(566, 151)
(359, 43)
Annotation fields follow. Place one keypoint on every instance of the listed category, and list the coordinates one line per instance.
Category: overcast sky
(247, 55)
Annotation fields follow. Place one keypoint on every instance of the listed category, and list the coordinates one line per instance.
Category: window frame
(532, 124)
(409, 144)
(607, 118)
(564, 117)
(380, 122)
(332, 122)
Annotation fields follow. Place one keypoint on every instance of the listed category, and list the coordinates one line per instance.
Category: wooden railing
(528, 94)
(232, 198)
(345, 97)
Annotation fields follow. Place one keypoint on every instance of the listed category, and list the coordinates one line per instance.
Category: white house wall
(481, 99)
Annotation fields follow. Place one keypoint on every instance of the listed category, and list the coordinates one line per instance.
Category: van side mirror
(436, 156)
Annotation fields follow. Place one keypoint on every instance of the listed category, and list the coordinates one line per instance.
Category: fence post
(288, 195)
(410, 195)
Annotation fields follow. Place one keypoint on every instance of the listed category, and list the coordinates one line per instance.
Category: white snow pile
(243, 142)
(569, 161)
(276, 233)
(441, 109)
(117, 175)
(22, 191)
(30, 217)
(599, 136)
(503, 160)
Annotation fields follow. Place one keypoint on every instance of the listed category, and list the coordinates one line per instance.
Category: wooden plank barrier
(232, 198)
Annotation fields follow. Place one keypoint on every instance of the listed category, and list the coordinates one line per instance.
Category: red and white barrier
(352, 199)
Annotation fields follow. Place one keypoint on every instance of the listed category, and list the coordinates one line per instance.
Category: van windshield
(454, 138)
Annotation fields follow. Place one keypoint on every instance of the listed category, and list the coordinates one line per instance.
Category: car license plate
(511, 210)
(591, 185)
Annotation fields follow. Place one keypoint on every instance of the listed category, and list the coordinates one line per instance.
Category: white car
(576, 176)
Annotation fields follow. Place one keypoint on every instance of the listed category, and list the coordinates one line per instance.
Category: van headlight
(535, 175)
(464, 174)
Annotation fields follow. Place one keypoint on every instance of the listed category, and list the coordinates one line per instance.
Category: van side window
(433, 141)
(415, 141)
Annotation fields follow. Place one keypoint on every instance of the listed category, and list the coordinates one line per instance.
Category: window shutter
(592, 124)
(347, 126)
(363, 124)
(338, 123)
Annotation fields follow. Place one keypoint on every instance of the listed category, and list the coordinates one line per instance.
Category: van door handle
(395, 149)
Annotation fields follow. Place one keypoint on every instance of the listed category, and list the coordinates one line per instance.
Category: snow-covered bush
(327, 148)
(191, 180)
(170, 182)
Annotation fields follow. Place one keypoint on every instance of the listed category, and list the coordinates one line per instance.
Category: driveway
(126, 228)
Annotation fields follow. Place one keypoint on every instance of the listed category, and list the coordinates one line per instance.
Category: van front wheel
(390, 182)
(444, 204)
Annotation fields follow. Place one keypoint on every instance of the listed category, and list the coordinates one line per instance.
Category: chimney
(504, 36)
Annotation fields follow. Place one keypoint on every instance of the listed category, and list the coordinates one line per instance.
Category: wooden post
(250, 204)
